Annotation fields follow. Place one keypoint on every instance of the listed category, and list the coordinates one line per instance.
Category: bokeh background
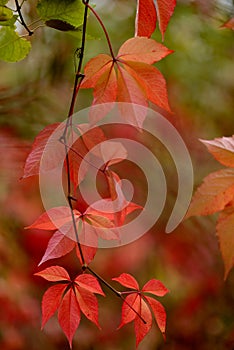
(36, 92)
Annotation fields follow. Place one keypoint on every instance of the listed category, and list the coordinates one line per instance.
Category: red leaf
(135, 306)
(88, 253)
(90, 283)
(222, 149)
(142, 50)
(146, 18)
(229, 24)
(54, 274)
(153, 82)
(93, 224)
(214, 194)
(159, 313)
(226, 238)
(164, 9)
(33, 160)
(127, 281)
(59, 245)
(69, 315)
(128, 314)
(139, 53)
(59, 215)
(88, 304)
(149, 11)
(155, 287)
(112, 152)
(50, 301)
(141, 328)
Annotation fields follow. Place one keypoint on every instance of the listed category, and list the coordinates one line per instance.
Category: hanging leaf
(13, 48)
(222, 149)
(70, 298)
(225, 235)
(127, 78)
(149, 12)
(143, 305)
(64, 15)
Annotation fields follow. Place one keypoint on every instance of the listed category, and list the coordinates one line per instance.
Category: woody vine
(128, 77)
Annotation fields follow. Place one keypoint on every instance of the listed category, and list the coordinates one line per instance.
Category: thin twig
(103, 27)
(116, 292)
(18, 9)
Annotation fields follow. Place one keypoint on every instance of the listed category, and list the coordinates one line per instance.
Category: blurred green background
(36, 92)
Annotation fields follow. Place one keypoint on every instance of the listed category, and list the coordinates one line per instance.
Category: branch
(18, 9)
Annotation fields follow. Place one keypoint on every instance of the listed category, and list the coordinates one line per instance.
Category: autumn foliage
(130, 76)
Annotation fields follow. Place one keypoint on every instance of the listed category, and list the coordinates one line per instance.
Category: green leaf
(12, 47)
(64, 15)
(3, 2)
(5, 13)
(10, 22)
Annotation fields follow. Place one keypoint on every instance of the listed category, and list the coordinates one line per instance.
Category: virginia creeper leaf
(94, 224)
(158, 312)
(214, 194)
(141, 328)
(133, 80)
(90, 283)
(59, 245)
(127, 281)
(50, 301)
(222, 149)
(70, 298)
(54, 274)
(137, 306)
(151, 11)
(88, 304)
(13, 48)
(224, 228)
(155, 287)
(32, 164)
(146, 18)
(69, 315)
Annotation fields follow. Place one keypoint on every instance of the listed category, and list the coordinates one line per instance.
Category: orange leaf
(128, 86)
(149, 11)
(222, 149)
(143, 50)
(146, 18)
(214, 194)
(32, 164)
(54, 274)
(225, 234)
(229, 24)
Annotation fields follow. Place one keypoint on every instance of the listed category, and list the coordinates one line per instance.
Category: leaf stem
(115, 291)
(18, 9)
(103, 27)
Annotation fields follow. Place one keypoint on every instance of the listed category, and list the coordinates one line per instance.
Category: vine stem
(18, 9)
(103, 27)
(78, 79)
